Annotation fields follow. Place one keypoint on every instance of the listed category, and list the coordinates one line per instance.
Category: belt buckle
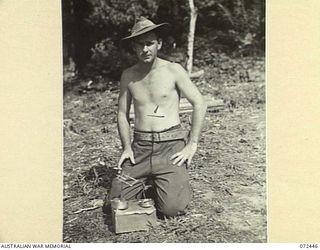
(155, 136)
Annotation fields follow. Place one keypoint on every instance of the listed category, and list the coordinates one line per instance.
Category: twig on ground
(227, 190)
(79, 151)
(97, 178)
(69, 221)
(86, 209)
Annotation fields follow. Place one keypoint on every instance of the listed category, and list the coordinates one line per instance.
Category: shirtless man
(161, 149)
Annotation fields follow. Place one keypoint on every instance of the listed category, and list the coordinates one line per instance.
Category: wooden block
(135, 218)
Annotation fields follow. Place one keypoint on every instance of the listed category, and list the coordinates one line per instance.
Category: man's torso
(155, 98)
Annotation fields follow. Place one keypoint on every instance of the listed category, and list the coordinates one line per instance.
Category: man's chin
(147, 60)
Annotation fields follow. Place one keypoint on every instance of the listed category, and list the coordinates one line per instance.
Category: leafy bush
(108, 60)
(235, 27)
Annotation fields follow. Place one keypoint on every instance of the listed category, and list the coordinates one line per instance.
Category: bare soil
(228, 174)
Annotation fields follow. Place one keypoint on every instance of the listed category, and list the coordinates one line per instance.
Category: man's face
(146, 47)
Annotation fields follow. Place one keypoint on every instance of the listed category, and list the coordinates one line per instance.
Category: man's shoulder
(171, 66)
(176, 68)
(128, 73)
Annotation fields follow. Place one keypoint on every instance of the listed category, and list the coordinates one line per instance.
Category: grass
(228, 174)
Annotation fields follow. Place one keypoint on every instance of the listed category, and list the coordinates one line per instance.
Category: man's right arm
(124, 102)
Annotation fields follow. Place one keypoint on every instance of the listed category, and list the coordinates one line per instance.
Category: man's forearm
(199, 111)
(124, 131)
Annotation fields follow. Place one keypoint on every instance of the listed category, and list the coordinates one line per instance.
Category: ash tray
(119, 204)
(146, 203)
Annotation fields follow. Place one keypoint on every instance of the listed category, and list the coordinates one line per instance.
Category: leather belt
(160, 136)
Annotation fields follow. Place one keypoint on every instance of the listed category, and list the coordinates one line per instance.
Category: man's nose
(145, 48)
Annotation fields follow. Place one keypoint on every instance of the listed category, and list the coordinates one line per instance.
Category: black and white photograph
(164, 121)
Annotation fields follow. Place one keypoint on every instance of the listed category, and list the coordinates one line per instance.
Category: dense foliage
(92, 30)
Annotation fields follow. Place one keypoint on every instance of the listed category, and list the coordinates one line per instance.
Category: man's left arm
(191, 92)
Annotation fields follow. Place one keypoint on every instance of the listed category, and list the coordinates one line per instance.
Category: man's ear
(159, 43)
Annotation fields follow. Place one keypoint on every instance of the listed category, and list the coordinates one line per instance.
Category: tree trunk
(192, 28)
(68, 23)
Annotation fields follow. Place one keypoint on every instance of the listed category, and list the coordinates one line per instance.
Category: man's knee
(175, 205)
(172, 209)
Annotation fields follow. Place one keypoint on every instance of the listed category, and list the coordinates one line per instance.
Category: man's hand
(186, 154)
(126, 154)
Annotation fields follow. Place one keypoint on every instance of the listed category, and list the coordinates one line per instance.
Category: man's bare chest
(157, 87)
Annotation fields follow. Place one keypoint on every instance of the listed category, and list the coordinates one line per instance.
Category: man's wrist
(126, 148)
(193, 142)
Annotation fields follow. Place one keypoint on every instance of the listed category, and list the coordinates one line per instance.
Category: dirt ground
(228, 174)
